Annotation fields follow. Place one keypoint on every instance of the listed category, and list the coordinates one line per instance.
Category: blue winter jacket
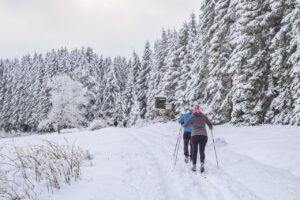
(184, 118)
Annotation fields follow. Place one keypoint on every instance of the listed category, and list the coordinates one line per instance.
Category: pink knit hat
(196, 110)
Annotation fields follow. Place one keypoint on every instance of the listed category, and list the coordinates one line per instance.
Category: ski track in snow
(156, 164)
(138, 164)
(216, 185)
(153, 172)
(240, 177)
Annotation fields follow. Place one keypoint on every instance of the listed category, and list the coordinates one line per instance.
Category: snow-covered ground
(261, 162)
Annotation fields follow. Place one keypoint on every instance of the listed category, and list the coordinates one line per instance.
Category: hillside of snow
(257, 163)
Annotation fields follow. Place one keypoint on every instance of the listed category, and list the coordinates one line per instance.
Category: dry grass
(24, 171)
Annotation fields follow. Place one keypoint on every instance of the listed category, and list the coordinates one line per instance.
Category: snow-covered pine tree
(159, 61)
(62, 61)
(199, 71)
(248, 64)
(122, 71)
(51, 64)
(68, 99)
(192, 76)
(157, 72)
(42, 96)
(171, 76)
(216, 93)
(85, 71)
(111, 89)
(143, 80)
(153, 79)
(192, 29)
(6, 95)
(294, 60)
(184, 67)
(281, 17)
(19, 100)
(35, 94)
(100, 78)
(128, 94)
(2, 86)
(135, 67)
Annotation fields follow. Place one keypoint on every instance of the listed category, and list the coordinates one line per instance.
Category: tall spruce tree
(128, 94)
(172, 68)
(135, 67)
(294, 60)
(280, 109)
(217, 91)
(249, 65)
(185, 62)
(143, 79)
(199, 70)
(111, 91)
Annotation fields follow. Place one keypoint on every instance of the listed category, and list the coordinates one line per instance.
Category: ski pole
(178, 148)
(177, 142)
(212, 135)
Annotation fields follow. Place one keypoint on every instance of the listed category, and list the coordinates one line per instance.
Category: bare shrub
(25, 172)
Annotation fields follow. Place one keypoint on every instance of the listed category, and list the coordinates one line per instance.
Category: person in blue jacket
(187, 135)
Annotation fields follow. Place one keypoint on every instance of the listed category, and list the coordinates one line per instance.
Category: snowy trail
(240, 177)
(137, 164)
(215, 186)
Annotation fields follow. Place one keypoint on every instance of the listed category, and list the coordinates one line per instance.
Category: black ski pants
(198, 142)
(186, 143)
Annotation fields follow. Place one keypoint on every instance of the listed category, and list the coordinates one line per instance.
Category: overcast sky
(110, 27)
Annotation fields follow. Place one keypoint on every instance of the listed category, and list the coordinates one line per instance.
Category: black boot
(202, 167)
(194, 168)
(186, 159)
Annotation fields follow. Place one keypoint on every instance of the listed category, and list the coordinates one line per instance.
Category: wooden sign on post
(160, 102)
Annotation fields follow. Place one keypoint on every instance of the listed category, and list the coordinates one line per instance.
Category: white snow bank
(277, 146)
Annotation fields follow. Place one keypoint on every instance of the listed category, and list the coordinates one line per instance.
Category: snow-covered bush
(28, 172)
(98, 124)
(68, 99)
